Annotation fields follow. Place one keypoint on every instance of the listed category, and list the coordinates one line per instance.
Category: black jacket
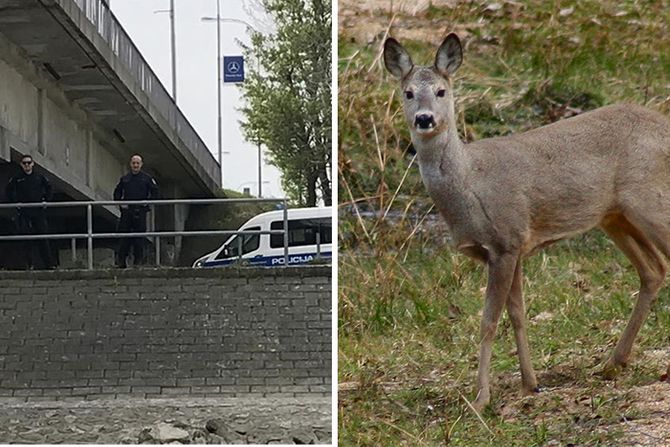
(24, 188)
(140, 186)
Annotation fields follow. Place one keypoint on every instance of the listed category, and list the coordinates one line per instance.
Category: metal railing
(89, 236)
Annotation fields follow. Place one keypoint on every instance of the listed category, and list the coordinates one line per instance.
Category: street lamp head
(228, 20)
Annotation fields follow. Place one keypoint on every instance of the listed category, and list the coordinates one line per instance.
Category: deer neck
(442, 157)
(445, 165)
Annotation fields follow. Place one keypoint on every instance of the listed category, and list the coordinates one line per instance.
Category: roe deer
(504, 198)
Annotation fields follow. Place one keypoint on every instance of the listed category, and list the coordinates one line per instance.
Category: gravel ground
(186, 421)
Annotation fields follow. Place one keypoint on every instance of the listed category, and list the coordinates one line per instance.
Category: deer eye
(441, 93)
(409, 95)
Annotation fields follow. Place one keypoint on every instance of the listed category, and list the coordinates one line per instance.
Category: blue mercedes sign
(233, 69)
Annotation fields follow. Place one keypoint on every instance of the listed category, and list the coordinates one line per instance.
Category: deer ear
(396, 59)
(449, 56)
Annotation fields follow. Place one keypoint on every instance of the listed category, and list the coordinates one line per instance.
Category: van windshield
(302, 232)
(250, 242)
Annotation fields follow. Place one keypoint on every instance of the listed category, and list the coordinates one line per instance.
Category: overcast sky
(197, 75)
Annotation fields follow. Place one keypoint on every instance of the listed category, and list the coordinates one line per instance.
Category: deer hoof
(481, 401)
(612, 370)
(530, 390)
(479, 405)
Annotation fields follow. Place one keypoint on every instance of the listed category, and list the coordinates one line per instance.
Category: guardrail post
(89, 227)
(157, 239)
(73, 246)
(285, 233)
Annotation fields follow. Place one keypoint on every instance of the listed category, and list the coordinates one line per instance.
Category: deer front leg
(500, 275)
(517, 314)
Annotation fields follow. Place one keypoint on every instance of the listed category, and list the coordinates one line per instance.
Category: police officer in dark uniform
(136, 185)
(30, 187)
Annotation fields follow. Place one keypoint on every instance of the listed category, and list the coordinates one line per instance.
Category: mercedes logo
(233, 67)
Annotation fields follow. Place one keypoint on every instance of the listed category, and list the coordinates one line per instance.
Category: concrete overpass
(77, 95)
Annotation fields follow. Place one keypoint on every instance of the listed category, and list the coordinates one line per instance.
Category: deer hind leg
(500, 275)
(638, 247)
(517, 314)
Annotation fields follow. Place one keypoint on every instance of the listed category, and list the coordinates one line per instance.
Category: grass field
(409, 306)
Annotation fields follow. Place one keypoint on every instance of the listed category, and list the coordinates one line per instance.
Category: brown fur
(505, 198)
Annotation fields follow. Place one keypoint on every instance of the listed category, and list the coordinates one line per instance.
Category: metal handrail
(90, 236)
(137, 202)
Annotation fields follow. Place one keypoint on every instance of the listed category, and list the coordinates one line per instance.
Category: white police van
(309, 238)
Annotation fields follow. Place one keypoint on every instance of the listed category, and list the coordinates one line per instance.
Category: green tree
(289, 97)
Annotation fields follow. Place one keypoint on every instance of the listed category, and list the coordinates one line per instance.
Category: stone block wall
(165, 332)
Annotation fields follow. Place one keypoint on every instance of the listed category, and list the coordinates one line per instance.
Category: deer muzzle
(424, 121)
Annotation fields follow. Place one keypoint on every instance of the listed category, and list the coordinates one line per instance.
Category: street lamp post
(173, 48)
(260, 164)
(173, 42)
(218, 20)
(218, 84)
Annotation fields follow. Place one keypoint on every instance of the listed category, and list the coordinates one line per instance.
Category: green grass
(409, 305)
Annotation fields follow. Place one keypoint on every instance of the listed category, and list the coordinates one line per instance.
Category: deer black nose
(424, 121)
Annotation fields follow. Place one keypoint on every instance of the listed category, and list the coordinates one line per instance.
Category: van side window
(302, 232)
(250, 242)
